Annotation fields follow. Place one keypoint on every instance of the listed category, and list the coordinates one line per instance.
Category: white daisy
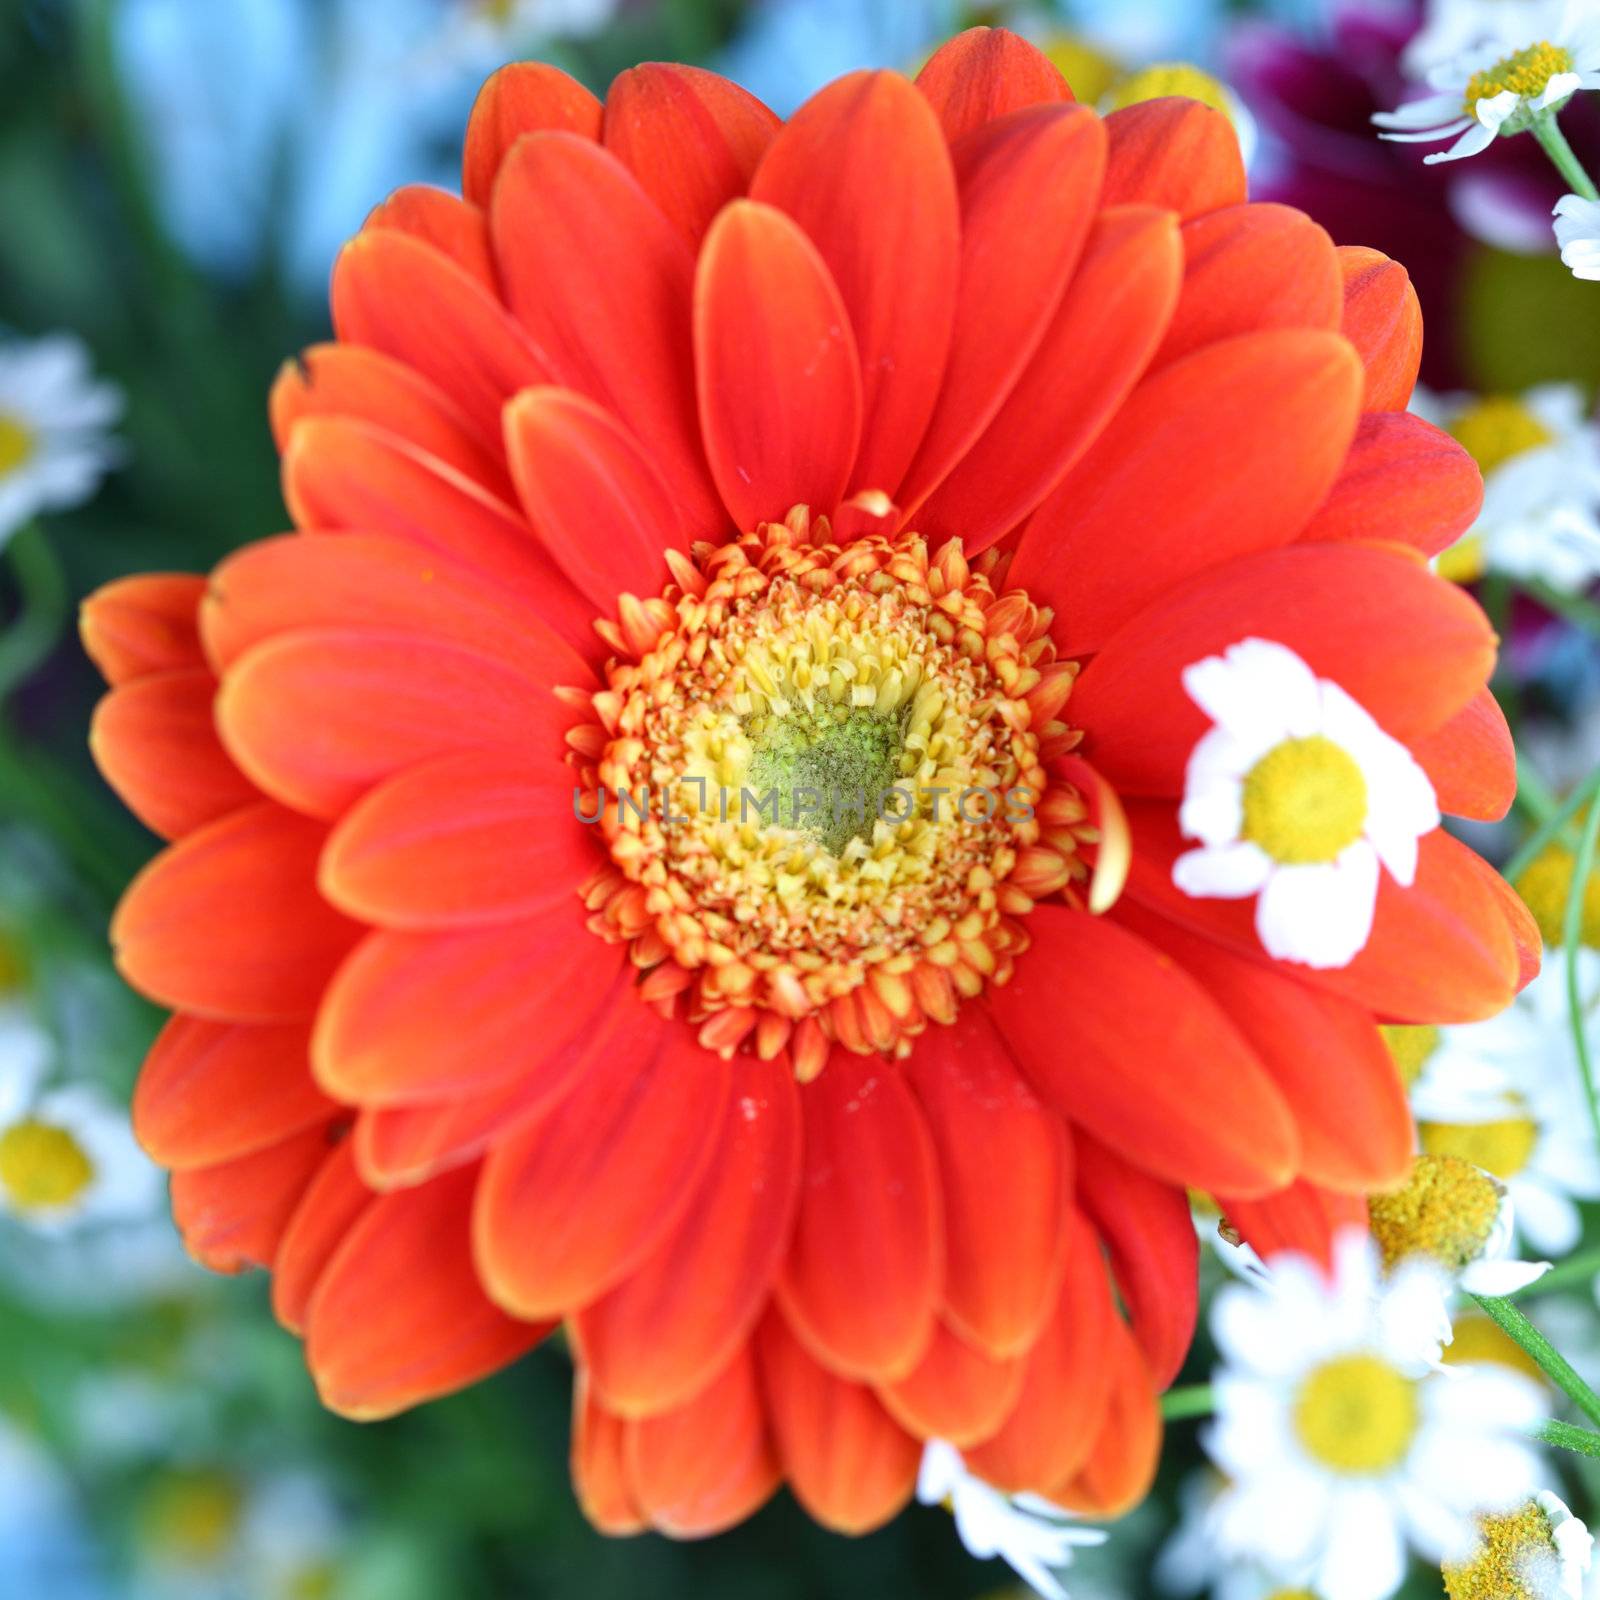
(1297, 796)
(1032, 1536)
(1539, 453)
(1578, 235)
(1506, 1095)
(1539, 1549)
(1536, 57)
(1343, 1441)
(54, 416)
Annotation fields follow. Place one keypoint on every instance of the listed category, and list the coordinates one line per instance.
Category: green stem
(1548, 132)
(1551, 1362)
(1534, 795)
(1192, 1400)
(1567, 1437)
(41, 612)
(1551, 830)
(1571, 934)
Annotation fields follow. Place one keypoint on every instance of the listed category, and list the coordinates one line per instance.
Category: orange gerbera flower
(926, 439)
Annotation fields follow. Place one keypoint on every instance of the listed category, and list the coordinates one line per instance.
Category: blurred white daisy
(1536, 57)
(1539, 453)
(1342, 1439)
(54, 420)
(1297, 796)
(1035, 1538)
(1578, 235)
(1539, 1549)
(1506, 1094)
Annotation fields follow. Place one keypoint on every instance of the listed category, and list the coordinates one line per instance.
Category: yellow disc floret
(1501, 1147)
(1516, 1559)
(1545, 886)
(1305, 801)
(1169, 78)
(1497, 429)
(1524, 73)
(16, 443)
(1086, 67)
(191, 1516)
(1411, 1046)
(1476, 1339)
(1447, 1210)
(43, 1168)
(1357, 1414)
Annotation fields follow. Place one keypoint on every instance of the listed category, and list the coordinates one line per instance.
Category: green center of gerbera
(829, 768)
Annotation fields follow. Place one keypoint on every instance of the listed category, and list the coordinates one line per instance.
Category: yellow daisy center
(1411, 1046)
(1545, 886)
(1305, 801)
(42, 1167)
(1477, 1339)
(1497, 429)
(1357, 1414)
(1089, 70)
(1524, 72)
(1169, 78)
(192, 1516)
(1501, 1147)
(1291, 1594)
(1516, 1559)
(1446, 1210)
(819, 772)
(1465, 561)
(16, 443)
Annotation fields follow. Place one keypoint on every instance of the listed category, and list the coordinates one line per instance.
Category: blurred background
(175, 177)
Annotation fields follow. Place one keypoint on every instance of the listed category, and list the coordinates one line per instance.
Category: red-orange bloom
(929, 437)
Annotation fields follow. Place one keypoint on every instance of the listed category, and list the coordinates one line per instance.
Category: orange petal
(525, 97)
(574, 1200)
(1101, 338)
(1156, 1071)
(1221, 454)
(691, 138)
(1472, 761)
(1249, 268)
(318, 716)
(709, 1464)
(955, 1392)
(1176, 153)
(213, 1091)
(1148, 1230)
(573, 230)
(1383, 320)
(1403, 480)
(449, 224)
(340, 473)
(1346, 1098)
(137, 626)
(1064, 1389)
(887, 223)
(849, 1463)
(228, 923)
(1028, 186)
(1122, 1465)
(599, 1471)
(862, 1279)
(156, 745)
(776, 365)
(348, 380)
(984, 74)
(435, 1016)
(1005, 1171)
(329, 1208)
(232, 1216)
(397, 294)
(659, 1337)
(1303, 1218)
(1408, 646)
(397, 1317)
(593, 499)
(480, 836)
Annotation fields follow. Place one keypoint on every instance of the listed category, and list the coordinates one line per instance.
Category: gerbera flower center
(1357, 1414)
(16, 443)
(42, 1167)
(1502, 1147)
(1545, 886)
(1411, 1047)
(1524, 73)
(1305, 801)
(1447, 1210)
(1516, 1559)
(828, 798)
(1497, 429)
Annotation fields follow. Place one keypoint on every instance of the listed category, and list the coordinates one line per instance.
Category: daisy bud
(1538, 1552)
